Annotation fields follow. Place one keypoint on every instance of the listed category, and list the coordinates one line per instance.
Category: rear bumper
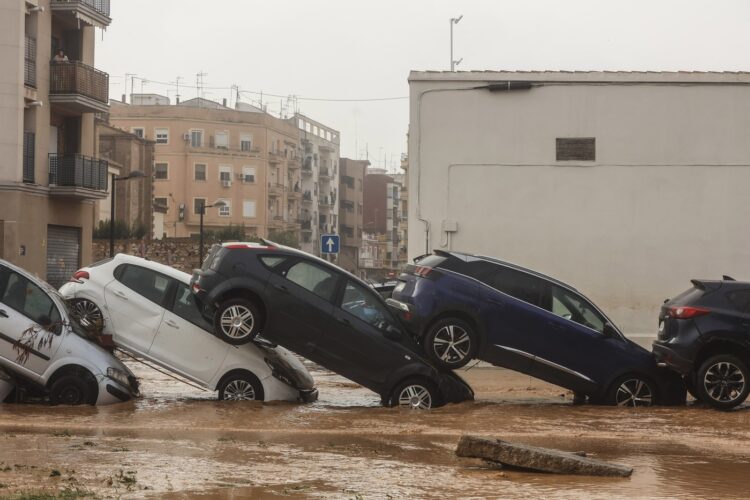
(672, 357)
(308, 395)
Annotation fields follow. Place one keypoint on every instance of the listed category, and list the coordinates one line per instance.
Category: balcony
(78, 88)
(29, 153)
(293, 163)
(77, 176)
(307, 197)
(275, 189)
(295, 194)
(325, 174)
(91, 12)
(276, 222)
(306, 226)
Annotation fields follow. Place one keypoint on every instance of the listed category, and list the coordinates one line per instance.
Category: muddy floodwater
(177, 442)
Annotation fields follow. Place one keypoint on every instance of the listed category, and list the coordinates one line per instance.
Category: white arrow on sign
(330, 243)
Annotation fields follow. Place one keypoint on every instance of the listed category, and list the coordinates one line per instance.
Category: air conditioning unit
(226, 184)
(186, 137)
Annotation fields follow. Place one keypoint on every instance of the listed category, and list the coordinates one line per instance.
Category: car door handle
(3, 314)
(281, 288)
(344, 321)
(121, 294)
(171, 323)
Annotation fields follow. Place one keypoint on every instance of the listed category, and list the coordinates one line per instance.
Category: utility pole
(454, 63)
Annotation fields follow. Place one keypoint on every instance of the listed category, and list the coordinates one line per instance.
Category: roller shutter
(63, 254)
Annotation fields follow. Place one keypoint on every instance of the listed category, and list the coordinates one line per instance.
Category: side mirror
(392, 333)
(610, 330)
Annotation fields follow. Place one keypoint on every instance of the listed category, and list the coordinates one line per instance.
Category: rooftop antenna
(177, 88)
(132, 84)
(199, 84)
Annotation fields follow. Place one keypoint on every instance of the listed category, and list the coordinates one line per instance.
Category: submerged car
(58, 360)
(704, 335)
(149, 311)
(463, 306)
(322, 313)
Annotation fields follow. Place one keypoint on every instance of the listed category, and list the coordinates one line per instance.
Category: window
(161, 135)
(349, 181)
(272, 262)
(138, 132)
(248, 209)
(199, 172)
(517, 284)
(315, 279)
(225, 210)
(575, 308)
(20, 294)
(162, 202)
(225, 173)
(221, 140)
(576, 149)
(364, 305)
(248, 174)
(246, 142)
(197, 204)
(161, 171)
(196, 138)
(185, 307)
(144, 282)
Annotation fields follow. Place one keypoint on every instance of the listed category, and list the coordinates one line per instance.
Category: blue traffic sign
(329, 243)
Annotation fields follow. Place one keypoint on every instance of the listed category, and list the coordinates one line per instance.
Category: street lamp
(135, 174)
(202, 212)
(454, 63)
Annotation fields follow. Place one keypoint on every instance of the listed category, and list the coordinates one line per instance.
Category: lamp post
(135, 174)
(202, 212)
(454, 63)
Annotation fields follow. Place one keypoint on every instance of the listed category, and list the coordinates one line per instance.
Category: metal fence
(77, 170)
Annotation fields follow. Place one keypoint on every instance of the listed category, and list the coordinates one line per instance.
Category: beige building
(50, 176)
(624, 184)
(351, 209)
(206, 153)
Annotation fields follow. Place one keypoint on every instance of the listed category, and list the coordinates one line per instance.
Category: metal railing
(29, 144)
(98, 5)
(77, 170)
(29, 60)
(78, 78)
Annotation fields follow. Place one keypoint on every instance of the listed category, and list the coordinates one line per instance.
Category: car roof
(122, 258)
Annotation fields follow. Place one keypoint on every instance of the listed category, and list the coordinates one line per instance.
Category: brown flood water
(177, 442)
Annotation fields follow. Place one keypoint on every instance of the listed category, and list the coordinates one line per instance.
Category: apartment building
(351, 210)
(319, 148)
(207, 153)
(381, 218)
(50, 177)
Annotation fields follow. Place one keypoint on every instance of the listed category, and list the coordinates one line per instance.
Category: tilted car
(322, 313)
(150, 312)
(62, 361)
(704, 335)
(464, 306)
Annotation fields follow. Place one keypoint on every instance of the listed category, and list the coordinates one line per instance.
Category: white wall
(664, 202)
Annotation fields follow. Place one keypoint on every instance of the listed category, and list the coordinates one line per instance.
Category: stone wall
(180, 253)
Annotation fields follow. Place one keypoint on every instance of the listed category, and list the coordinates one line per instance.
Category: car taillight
(422, 271)
(80, 275)
(685, 312)
(196, 288)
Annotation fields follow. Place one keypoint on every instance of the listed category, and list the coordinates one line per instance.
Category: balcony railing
(324, 173)
(29, 68)
(29, 143)
(79, 79)
(100, 6)
(77, 170)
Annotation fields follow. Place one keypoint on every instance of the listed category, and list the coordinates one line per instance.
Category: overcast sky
(352, 49)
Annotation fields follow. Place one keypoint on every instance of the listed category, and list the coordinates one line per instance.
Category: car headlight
(118, 376)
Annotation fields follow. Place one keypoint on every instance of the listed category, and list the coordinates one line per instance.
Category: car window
(272, 261)
(363, 304)
(575, 308)
(740, 300)
(145, 282)
(314, 278)
(520, 285)
(27, 298)
(185, 307)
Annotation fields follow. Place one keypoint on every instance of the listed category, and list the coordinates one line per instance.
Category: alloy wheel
(239, 390)
(724, 382)
(451, 344)
(237, 322)
(71, 395)
(87, 313)
(634, 392)
(416, 397)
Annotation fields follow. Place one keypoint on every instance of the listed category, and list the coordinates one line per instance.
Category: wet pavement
(178, 441)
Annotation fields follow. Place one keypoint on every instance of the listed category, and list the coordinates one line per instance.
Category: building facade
(319, 151)
(206, 153)
(351, 212)
(50, 176)
(624, 184)
(381, 222)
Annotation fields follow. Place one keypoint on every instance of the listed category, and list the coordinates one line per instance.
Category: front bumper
(667, 354)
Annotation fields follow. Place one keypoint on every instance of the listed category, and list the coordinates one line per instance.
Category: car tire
(240, 387)
(237, 321)
(73, 389)
(632, 390)
(416, 394)
(723, 381)
(451, 343)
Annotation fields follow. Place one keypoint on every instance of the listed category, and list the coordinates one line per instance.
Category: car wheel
(633, 391)
(451, 343)
(722, 381)
(87, 314)
(415, 394)
(73, 389)
(237, 321)
(240, 387)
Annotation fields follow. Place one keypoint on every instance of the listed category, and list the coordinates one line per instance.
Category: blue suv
(462, 306)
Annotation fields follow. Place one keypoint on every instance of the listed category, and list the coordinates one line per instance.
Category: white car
(149, 310)
(62, 361)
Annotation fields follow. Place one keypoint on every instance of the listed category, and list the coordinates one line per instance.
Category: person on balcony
(60, 57)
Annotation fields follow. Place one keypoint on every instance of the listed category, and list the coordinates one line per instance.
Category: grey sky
(349, 49)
